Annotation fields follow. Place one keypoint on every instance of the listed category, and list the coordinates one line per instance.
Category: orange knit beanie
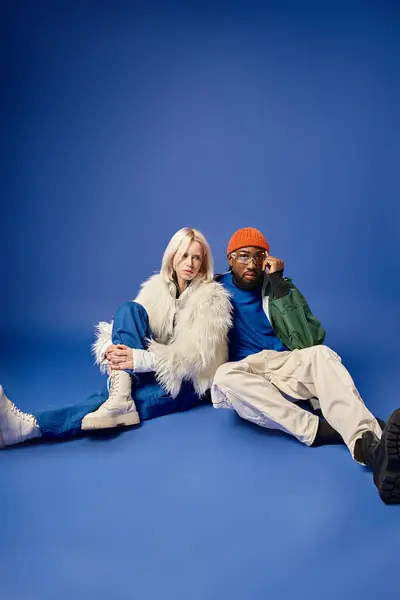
(247, 237)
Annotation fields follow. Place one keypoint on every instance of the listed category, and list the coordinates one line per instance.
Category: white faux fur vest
(190, 332)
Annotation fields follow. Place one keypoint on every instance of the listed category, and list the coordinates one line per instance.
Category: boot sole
(388, 477)
(111, 422)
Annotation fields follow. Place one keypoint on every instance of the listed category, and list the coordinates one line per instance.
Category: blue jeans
(132, 328)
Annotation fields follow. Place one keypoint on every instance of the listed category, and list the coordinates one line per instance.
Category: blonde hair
(178, 245)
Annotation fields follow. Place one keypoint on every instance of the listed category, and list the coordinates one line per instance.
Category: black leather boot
(383, 456)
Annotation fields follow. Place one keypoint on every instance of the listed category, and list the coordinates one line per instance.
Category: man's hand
(274, 264)
(119, 357)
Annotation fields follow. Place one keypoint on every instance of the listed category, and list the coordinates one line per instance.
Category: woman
(161, 351)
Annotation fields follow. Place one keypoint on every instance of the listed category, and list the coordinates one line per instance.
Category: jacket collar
(190, 288)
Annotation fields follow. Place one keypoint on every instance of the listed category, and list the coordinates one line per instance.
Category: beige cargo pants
(256, 388)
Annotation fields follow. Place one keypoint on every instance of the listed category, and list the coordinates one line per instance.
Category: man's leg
(253, 388)
(318, 371)
(244, 387)
(131, 327)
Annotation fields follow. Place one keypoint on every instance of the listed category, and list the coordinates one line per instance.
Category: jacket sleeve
(293, 320)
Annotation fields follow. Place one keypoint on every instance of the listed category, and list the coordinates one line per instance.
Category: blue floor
(193, 506)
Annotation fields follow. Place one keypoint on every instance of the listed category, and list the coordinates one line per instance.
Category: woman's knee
(131, 308)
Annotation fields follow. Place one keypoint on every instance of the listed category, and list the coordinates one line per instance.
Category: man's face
(248, 266)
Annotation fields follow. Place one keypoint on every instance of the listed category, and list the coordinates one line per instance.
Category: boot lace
(19, 414)
(113, 386)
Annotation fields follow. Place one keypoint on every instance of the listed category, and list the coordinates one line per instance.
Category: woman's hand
(119, 357)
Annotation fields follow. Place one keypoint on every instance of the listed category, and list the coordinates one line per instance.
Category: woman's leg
(17, 427)
(131, 327)
(63, 423)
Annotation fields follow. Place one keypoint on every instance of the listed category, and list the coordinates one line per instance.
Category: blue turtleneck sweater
(251, 331)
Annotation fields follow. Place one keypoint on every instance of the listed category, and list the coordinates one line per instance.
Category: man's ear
(230, 261)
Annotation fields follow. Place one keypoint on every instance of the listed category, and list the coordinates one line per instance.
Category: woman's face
(190, 263)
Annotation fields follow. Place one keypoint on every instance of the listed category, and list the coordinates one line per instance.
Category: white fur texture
(190, 332)
(103, 332)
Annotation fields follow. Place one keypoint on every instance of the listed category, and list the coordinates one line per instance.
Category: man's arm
(290, 313)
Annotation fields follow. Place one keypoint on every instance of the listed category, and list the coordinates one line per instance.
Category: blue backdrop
(125, 121)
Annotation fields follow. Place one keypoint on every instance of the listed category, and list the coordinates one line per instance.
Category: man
(277, 357)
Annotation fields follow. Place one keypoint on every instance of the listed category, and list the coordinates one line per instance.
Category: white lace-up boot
(15, 425)
(119, 409)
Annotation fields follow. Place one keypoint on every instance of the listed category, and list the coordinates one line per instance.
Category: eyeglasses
(245, 258)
